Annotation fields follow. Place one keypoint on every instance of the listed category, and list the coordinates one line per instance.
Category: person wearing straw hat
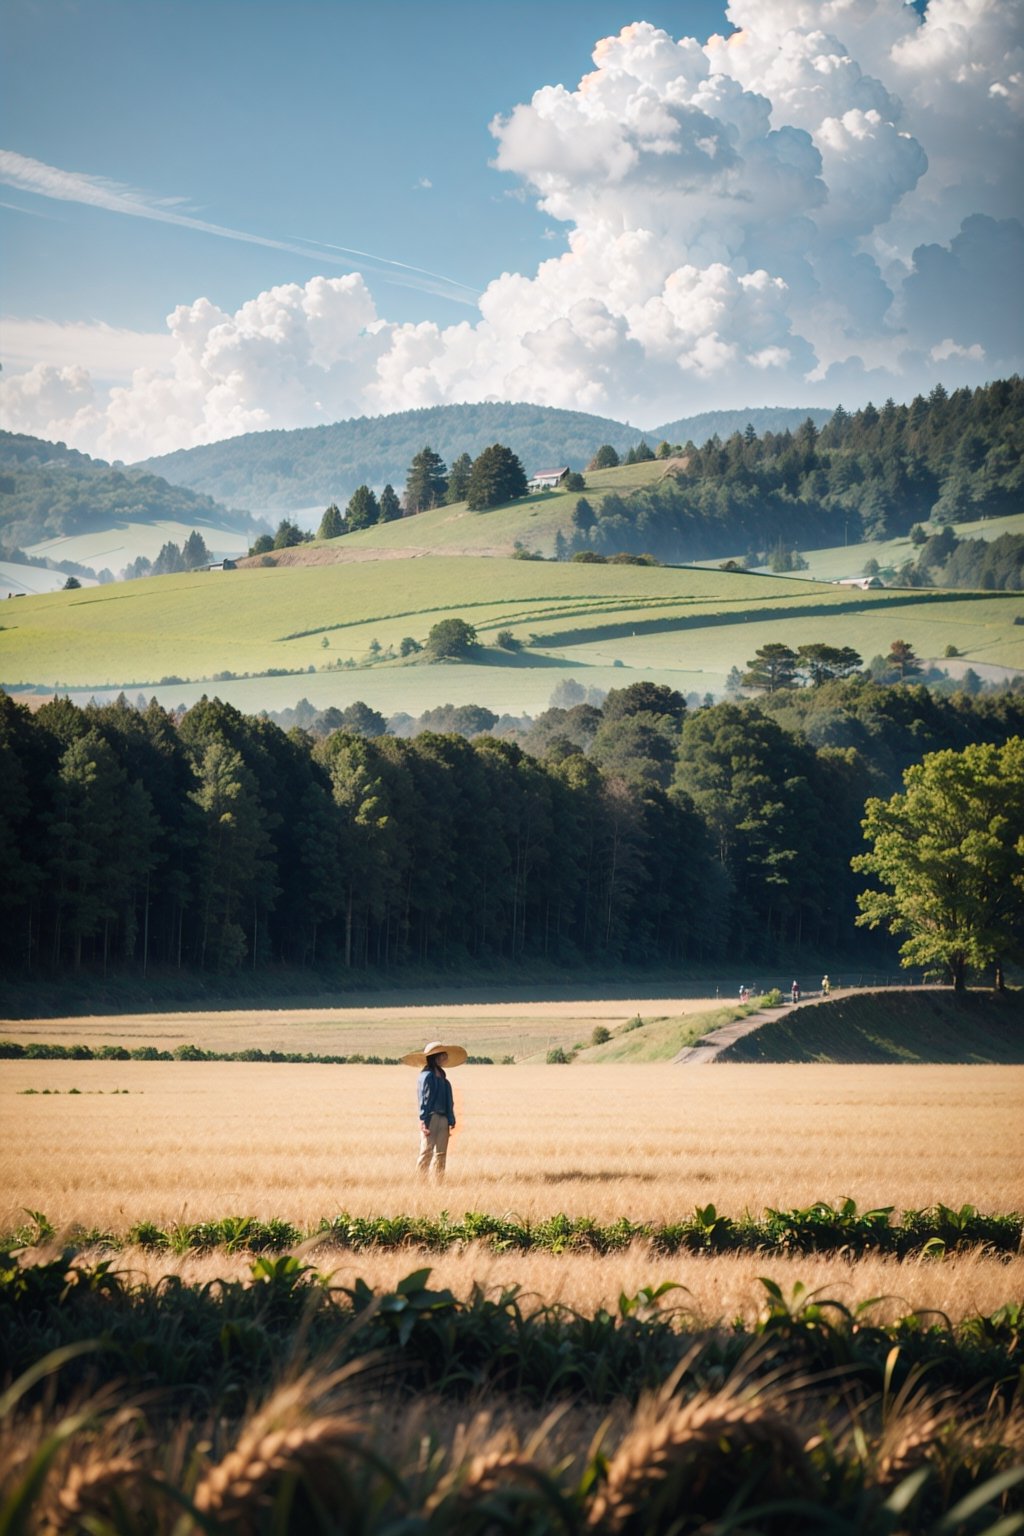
(435, 1102)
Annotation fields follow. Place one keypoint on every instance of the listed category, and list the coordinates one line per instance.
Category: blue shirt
(434, 1093)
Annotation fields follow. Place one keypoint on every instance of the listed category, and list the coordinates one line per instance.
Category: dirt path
(709, 1047)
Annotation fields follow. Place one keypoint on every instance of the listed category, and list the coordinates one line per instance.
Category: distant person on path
(826, 986)
(435, 1103)
(796, 991)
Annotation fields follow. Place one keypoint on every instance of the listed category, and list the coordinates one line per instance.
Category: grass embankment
(659, 1039)
(893, 1026)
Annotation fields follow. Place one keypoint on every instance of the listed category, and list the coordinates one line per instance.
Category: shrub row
(13, 1050)
(818, 1228)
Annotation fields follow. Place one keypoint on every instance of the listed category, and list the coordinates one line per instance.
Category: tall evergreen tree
(194, 551)
(426, 482)
(458, 478)
(497, 476)
(390, 506)
(332, 525)
(363, 509)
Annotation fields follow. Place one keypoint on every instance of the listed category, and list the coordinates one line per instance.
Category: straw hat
(457, 1054)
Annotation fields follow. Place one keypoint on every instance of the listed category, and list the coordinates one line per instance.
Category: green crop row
(214, 1343)
(817, 1228)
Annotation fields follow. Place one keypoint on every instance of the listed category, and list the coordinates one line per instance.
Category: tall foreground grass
(819, 1420)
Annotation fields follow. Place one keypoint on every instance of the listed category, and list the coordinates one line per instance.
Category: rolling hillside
(325, 632)
(60, 505)
(305, 469)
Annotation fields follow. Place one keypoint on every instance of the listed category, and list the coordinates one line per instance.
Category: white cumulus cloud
(823, 205)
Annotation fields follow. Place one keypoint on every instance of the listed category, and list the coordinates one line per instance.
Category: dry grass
(718, 1287)
(192, 1141)
(368, 1026)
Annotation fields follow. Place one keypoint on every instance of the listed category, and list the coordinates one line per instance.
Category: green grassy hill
(531, 521)
(606, 625)
(899, 1025)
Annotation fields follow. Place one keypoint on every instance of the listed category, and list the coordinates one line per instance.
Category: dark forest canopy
(636, 832)
(868, 474)
(48, 490)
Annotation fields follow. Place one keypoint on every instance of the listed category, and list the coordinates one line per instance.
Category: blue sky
(576, 202)
(314, 120)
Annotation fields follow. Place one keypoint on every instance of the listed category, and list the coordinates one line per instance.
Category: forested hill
(48, 490)
(763, 418)
(868, 474)
(313, 466)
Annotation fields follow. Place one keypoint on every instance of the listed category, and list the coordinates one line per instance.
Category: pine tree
(390, 506)
(194, 552)
(458, 478)
(332, 525)
(497, 476)
(426, 482)
(363, 509)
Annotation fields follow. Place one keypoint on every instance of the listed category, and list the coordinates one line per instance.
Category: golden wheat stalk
(89, 1489)
(709, 1428)
(237, 1487)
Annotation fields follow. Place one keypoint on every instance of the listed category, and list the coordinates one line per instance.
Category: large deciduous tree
(497, 476)
(451, 638)
(949, 853)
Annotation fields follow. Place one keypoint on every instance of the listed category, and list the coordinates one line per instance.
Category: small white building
(866, 583)
(547, 479)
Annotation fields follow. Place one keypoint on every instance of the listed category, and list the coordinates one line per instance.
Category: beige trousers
(434, 1144)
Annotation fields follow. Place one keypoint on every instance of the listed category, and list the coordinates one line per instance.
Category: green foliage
(332, 524)
(772, 667)
(557, 1057)
(788, 1420)
(605, 458)
(288, 535)
(600, 1035)
(72, 584)
(507, 641)
(497, 476)
(363, 509)
(451, 639)
(574, 481)
(49, 491)
(950, 852)
(390, 506)
(426, 482)
(459, 477)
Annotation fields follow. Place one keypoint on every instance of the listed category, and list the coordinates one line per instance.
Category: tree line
(867, 474)
(639, 830)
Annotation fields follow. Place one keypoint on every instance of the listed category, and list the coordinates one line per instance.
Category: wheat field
(172, 1141)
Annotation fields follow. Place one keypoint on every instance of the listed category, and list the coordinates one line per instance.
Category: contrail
(28, 175)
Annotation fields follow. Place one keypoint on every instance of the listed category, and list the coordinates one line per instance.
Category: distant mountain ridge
(48, 490)
(284, 471)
